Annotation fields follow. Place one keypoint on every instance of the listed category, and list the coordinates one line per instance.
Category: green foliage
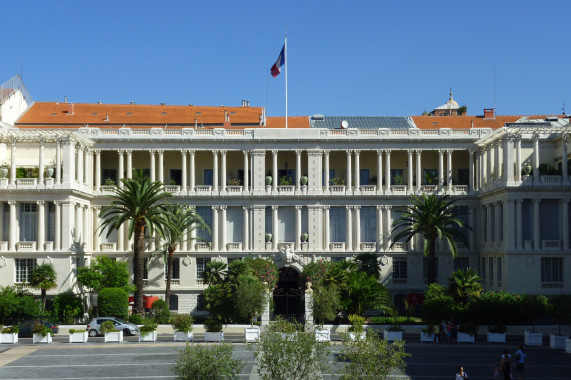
(215, 272)
(105, 273)
(337, 181)
(357, 323)
(371, 358)
(109, 182)
(295, 357)
(220, 301)
(136, 319)
(113, 302)
(285, 181)
(67, 306)
(367, 263)
(107, 326)
(41, 329)
(398, 180)
(364, 292)
(497, 329)
(160, 312)
(396, 320)
(10, 329)
(17, 306)
(326, 303)
(282, 325)
(76, 331)
(437, 306)
(464, 285)
(213, 325)
(264, 269)
(250, 297)
(149, 325)
(21, 173)
(469, 327)
(213, 362)
(182, 322)
(316, 272)
(43, 278)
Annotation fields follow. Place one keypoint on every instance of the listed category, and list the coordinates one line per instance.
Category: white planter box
(322, 335)
(532, 338)
(391, 336)
(114, 336)
(183, 336)
(252, 334)
(355, 336)
(466, 338)
(214, 336)
(557, 342)
(496, 337)
(426, 337)
(148, 337)
(80, 337)
(568, 346)
(9, 338)
(37, 338)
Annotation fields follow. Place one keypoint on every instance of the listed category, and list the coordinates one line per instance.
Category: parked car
(26, 328)
(94, 327)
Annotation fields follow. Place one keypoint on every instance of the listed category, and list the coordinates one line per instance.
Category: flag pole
(285, 53)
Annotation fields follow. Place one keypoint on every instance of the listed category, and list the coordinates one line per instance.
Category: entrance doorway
(288, 296)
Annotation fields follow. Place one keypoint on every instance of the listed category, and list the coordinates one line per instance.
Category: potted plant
(214, 331)
(110, 332)
(397, 180)
(251, 299)
(233, 182)
(41, 333)
(467, 332)
(357, 329)
(285, 181)
(526, 169)
(326, 305)
(393, 333)
(336, 181)
(560, 309)
(148, 332)
(182, 326)
(427, 334)
(497, 333)
(109, 182)
(78, 336)
(9, 334)
(283, 327)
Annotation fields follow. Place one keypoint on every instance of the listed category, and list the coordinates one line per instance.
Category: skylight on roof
(199, 113)
(129, 113)
(163, 113)
(54, 114)
(94, 113)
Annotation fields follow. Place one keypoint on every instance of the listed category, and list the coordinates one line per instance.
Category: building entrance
(288, 296)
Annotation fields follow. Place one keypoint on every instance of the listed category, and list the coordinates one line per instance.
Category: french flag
(275, 70)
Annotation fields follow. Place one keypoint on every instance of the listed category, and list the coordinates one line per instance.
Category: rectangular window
(51, 222)
(201, 266)
(430, 177)
(463, 176)
(175, 177)
(206, 215)
(108, 174)
(146, 269)
(400, 270)
(364, 177)
(208, 177)
(268, 220)
(175, 269)
(499, 269)
(461, 263)
(552, 269)
(337, 224)
(368, 220)
(336, 259)
(397, 177)
(28, 221)
(200, 303)
(23, 269)
(491, 269)
(483, 269)
(6, 222)
(173, 302)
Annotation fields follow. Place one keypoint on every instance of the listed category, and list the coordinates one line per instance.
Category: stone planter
(9, 338)
(183, 336)
(557, 342)
(426, 337)
(533, 338)
(50, 172)
(391, 336)
(252, 334)
(78, 337)
(37, 338)
(355, 336)
(116, 336)
(322, 335)
(568, 346)
(148, 337)
(496, 337)
(214, 336)
(464, 337)
(3, 172)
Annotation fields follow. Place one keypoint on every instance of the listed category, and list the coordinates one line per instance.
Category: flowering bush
(265, 270)
(234, 182)
(315, 271)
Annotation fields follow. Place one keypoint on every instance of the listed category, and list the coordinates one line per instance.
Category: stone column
(129, 163)
(13, 228)
(349, 179)
(518, 159)
(489, 223)
(565, 223)
(275, 233)
(508, 162)
(326, 171)
(85, 224)
(410, 171)
(508, 224)
(564, 163)
(223, 228)
(388, 172)
(86, 166)
(485, 167)
(536, 159)
(160, 154)
(449, 166)
(357, 216)
(418, 171)
(192, 178)
(471, 170)
(327, 228)
(41, 163)
(13, 163)
(477, 171)
(472, 232)
(298, 228)
(379, 228)
(79, 154)
(379, 171)
(97, 170)
(357, 172)
(215, 174)
(536, 225)
(58, 163)
(215, 228)
(224, 172)
(41, 226)
(96, 235)
(246, 175)
(308, 301)
(183, 181)
(518, 224)
(440, 170)
(265, 317)
(497, 170)
(245, 229)
(78, 223)
(387, 227)
(274, 170)
(152, 168)
(57, 229)
(349, 229)
(298, 171)
(121, 169)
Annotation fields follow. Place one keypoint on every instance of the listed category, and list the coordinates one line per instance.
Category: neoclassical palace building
(325, 188)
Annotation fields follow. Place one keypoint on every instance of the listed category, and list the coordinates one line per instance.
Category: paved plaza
(133, 360)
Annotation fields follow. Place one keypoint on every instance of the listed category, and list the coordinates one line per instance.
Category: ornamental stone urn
(268, 237)
(304, 237)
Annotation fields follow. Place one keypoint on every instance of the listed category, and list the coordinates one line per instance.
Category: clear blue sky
(374, 57)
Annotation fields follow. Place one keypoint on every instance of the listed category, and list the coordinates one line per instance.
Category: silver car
(94, 327)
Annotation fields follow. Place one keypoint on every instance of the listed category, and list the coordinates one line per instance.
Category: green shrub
(357, 323)
(212, 362)
(136, 319)
(113, 302)
(400, 320)
(67, 306)
(17, 305)
(10, 329)
(41, 329)
(213, 325)
(74, 331)
(108, 326)
(160, 312)
(182, 323)
(326, 303)
(284, 326)
(149, 325)
(497, 329)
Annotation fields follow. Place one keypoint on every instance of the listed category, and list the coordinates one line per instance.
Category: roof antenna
(563, 109)
(494, 86)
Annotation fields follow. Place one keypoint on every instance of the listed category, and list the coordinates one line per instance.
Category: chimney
(489, 113)
(65, 99)
(132, 102)
(70, 109)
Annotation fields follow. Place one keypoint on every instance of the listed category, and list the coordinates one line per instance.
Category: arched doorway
(288, 296)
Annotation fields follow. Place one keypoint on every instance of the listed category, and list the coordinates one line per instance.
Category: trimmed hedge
(113, 302)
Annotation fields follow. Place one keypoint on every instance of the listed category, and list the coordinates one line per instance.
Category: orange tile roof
(292, 122)
(462, 122)
(61, 114)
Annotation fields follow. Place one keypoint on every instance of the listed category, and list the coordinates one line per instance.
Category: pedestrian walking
(506, 365)
(461, 374)
(436, 333)
(521, 365)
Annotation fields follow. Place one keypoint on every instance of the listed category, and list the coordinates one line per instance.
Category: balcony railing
(26, 246)
(202, 246)
(204, 189)
(336, 247)
(551, 179)
(234, 190)
(337, 189)
(108, 247)
(234, 246)
(398, 189)
(368, 189)
(550, 245)
(368, 247)
(286, 189)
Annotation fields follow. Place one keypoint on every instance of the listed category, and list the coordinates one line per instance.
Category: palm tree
(43, 277)
(364, 292)
(137, 203)
(215, 272)
(464, 284)
(177, 221)
(431, 217)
